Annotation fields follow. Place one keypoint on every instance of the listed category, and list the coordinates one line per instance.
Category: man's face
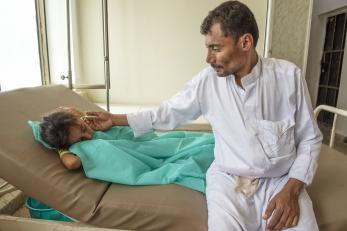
(80, 131)
(224, 54)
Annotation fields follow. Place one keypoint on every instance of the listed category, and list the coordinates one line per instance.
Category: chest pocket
(276, 138)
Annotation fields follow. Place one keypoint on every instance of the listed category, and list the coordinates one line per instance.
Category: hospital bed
(38, 173)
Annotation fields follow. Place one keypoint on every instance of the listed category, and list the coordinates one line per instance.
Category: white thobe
(265, 130)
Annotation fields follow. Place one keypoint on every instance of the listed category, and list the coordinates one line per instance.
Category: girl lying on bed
(113, 154)
(66, 126)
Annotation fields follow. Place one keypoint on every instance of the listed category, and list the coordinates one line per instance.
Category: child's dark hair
(54, 128)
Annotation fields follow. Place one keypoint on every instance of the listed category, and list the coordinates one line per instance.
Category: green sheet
(117, 156)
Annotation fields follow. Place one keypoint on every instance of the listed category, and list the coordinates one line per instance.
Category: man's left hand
(284, 208)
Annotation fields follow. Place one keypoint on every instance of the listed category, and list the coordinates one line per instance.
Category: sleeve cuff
(303, 169)
(140, 122)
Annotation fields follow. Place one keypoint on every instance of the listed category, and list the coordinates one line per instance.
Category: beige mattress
(39, 173)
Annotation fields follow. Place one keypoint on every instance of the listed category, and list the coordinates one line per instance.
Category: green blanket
(117, 156)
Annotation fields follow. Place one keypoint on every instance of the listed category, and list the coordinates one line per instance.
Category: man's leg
(228, 210)
(307, 219)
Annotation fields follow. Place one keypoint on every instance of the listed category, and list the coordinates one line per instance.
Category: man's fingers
(99, 115)
(269, 209)
(275, 218)
(92, 113)
(289, 221)
(96, 116)
(282, 222)
(95, 113)
(91, 122)
(295, 221)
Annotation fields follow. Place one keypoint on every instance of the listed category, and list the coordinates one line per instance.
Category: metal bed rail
(107, 84)
(336, 112)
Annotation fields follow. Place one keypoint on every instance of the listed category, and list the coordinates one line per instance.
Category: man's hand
(99, 121)
(284, 207)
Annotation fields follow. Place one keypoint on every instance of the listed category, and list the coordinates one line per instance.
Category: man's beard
(217, 68)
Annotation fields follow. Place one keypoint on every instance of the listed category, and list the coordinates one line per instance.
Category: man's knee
(220, 220)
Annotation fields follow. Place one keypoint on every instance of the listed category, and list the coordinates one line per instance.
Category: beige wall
(57, 40)
(87, 43)
(155, 46)
(341, 123)
(290, 22)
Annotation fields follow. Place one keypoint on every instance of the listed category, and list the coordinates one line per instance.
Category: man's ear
(246, 41)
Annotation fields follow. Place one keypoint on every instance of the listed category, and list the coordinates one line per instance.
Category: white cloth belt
(248, 186)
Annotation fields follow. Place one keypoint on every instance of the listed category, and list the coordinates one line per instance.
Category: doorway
(331, 65)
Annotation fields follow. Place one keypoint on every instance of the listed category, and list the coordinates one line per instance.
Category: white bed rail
(336, 112)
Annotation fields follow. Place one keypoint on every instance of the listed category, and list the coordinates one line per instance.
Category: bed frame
(39, 174)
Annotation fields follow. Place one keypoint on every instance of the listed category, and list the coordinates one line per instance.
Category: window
(19, 56)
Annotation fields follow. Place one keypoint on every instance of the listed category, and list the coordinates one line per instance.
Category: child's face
(80, 131)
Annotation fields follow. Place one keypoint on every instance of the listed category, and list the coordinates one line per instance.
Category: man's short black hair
(235, 18)
(55, 127)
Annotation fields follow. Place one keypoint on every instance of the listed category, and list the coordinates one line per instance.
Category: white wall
(155, 46)
(321, 10)
(324, 6)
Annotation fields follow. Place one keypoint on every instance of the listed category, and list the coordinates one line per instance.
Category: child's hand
(70, 161)
(99, 121)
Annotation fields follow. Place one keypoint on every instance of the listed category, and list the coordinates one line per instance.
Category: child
(114, 154)
(66, 126)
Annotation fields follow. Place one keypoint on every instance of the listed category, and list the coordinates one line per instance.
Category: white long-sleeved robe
(265, 130)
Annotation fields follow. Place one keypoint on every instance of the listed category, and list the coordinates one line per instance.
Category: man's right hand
(109, 119)
(102, 120)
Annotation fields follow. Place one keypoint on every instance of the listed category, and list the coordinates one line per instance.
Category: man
(266, 139)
